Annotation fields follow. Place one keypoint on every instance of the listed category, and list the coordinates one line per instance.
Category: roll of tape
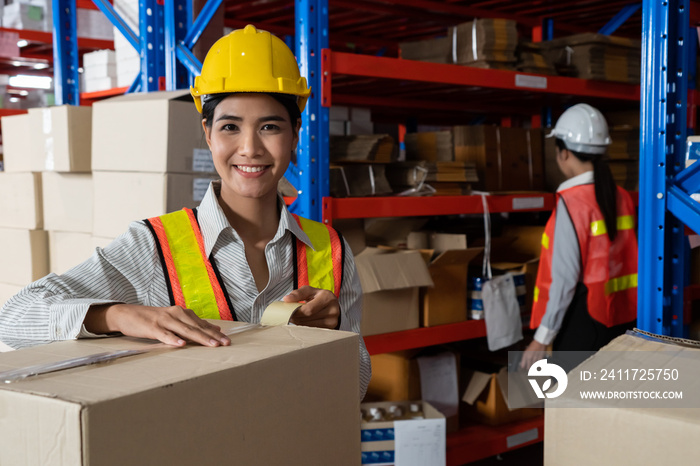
(279, 313)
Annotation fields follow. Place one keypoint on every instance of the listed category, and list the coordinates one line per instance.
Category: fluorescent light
(41, 66)
(34, 82)
(14, 99)
(24, 93)
(22, 43)
(16, 63)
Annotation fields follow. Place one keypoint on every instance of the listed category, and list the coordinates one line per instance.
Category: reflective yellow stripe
(320, 258)
(545, 241)
(625, 222)
(536, 294)
(189, 264)
(621, 283)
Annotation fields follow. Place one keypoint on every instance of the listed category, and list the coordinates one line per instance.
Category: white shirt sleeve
(566, 273)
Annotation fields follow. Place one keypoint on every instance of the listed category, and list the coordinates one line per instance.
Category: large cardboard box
(68, 249)
(24, 257)
(19, 145)
(418, 435)
(390, 282)
(276, 396)
(67, 201)
(63, 137)
(21, 200)
(588, 432)
(446, 302)
(122, 197)
(164, 134)
(395, 377)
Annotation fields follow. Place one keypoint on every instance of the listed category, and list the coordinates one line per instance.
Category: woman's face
(251, 140)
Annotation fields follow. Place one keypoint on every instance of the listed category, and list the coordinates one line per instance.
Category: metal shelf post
(310, 173)
(151, 41)
(65, 53)
(662, 247)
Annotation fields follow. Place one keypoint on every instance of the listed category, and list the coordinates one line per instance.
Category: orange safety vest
(194, 281)
(609, 268)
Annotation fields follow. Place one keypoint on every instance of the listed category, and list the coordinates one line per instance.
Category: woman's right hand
(172, 325)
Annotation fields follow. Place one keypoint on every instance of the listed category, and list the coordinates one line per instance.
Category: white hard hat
(583, 129)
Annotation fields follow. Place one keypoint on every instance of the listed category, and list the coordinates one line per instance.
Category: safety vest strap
(320, 266)
(192, 277)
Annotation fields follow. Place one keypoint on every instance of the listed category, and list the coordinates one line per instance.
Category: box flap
(149, 96)
(477, 383)
(383, 270)
(455, 256)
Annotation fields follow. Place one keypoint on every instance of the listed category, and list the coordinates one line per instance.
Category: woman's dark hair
(605, 187)
(289, 102)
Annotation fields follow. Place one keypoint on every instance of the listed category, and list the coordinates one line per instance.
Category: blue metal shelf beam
(65, 53)
(619, 19)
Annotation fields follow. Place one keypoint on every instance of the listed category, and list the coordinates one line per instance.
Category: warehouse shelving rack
(330, 33)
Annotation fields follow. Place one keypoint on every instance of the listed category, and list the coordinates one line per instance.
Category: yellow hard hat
(248, 60)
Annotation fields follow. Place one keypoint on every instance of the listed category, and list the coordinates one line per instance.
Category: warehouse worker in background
(239, 251)
(586, 290)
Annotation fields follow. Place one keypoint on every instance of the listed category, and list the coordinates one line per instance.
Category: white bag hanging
(501, 309)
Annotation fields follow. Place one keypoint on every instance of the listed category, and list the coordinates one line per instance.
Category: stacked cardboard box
(507, 159)
(26, 14)
(486, 43)
(358, 164)
(161, 167)
(437, 50)
(443, 178)
(596, 56)
(100, 70)
(128, 59)
(350, 121)
(532, 60)
(433, 146)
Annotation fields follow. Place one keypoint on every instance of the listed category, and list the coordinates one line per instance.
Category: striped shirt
(129, 271)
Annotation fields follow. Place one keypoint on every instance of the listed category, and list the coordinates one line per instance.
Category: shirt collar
(583, 178)
(213, 221)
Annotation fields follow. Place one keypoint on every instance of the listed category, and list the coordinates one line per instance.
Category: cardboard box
(8, 290)
(446, 302)
(24, 16)
(20, 149)
(143, 409)
(582, 432)
(164, 128)
(67, 199)
(385, 442)
(395, 377)
(123, 197)
(434, 146)
(21, 205)
(390, 282)
(68, 249)
(486, 399)
(24, 257)
(63, 137)
(358, 179)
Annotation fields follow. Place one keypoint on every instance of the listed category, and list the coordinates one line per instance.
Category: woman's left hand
(320, 310)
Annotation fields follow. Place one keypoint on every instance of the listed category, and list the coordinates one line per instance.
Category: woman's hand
(533, 353)
(320, 310)
(172, 325)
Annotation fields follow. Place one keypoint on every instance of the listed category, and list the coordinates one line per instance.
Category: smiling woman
(239, 251)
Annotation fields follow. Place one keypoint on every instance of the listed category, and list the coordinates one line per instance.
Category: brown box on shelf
(485, 399)
(490, 42)
(63, 137)
(390, 282)
(583, 431)
(358, 180)
(24, 257)
(446, 302)
(87, 415)
(164, 134)
(426, 440)
(124, 197)
(435, 146)
(21, 200)
(363, 148)
(438, 50)
(395, 377)
(506, 159)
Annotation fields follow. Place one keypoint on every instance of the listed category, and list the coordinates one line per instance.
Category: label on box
(536, 82)
(420, 442)
(202, 161)
(523, 203)
(199, 188)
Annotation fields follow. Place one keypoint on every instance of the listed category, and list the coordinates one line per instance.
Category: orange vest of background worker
(193, 279)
